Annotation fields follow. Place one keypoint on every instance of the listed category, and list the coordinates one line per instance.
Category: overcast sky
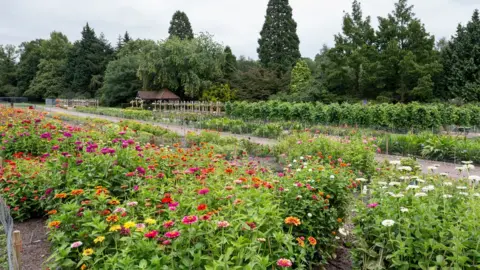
(233, 22)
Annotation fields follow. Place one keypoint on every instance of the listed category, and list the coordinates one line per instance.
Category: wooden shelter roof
(164, 94)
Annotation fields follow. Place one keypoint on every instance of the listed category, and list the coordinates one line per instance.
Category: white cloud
(233, 22)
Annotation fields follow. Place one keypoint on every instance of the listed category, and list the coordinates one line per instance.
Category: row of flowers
(115, 202)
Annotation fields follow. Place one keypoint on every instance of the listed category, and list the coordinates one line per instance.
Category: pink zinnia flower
(372, 205)
(76, 244)
(168, 224)
(151, 234)
(284, 262)
(172, 234)
(203, 191)
(166, 242)
(223, 224)
(132, 203)
(189, 220)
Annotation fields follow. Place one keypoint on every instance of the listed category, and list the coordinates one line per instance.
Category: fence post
(17, 249)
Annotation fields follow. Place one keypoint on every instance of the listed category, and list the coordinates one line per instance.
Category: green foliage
(461, 61)
(398, 116)
(301, 77)
(218, 92)
(49, 81)
(258, 83)
(432, 223)
(121, 81)
(230, 65)
(30, 56)
(184, 66)
(180, 26)
(279, 43)
(86, 63)
(8, 72)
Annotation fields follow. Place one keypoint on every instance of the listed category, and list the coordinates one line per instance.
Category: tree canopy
(180, 26)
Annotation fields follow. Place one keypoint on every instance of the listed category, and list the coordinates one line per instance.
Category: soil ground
(35, 248)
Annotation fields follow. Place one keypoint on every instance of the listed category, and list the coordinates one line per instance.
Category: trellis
(189, 106)
(76, 102)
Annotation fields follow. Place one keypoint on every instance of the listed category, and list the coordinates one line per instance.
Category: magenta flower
(46, 135)
(55, 147)
(189, 220)
(203, 191)
(141, 170)
(372, 205)
(66, 134)
(166, 242)
(172, 234)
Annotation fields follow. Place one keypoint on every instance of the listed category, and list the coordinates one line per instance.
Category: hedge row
(412, 115)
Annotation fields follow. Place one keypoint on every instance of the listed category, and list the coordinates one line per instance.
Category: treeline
(398, 62)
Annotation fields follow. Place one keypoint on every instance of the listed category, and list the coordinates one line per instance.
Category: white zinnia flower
(405, 168)
(412, 187)
(395, 183)
(383, 183)
(388, 223)
(428, 188)
(403, 209)
(361, 179)
(420, 194)
(294, 161)
(447, 196)
(343, 232)
(301, 158)
(399, 195)
(332, 176)
(476, 194)
(463, 193)
(309, 170)
(395, 162)
(461, 187)
(309, 214)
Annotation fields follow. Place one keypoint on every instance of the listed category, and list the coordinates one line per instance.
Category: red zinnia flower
(202, 207)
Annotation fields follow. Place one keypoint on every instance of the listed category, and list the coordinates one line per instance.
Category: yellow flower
(84, 266)
(87, 252)
(99, 239)
(115, 228)
(150, 221)
(129, 224)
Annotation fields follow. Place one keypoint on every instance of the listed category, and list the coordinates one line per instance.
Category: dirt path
(444, 167)
(35, 248)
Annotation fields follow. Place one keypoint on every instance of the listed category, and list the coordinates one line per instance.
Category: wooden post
(17, 249)
(1, 162)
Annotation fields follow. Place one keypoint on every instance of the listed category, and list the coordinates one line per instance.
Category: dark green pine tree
(120, 43)
(230, 65)
(180, 26)
(407, 59)
(279, 43)
(126, 37)
(349, 71)
(86, 63)
(461, 62)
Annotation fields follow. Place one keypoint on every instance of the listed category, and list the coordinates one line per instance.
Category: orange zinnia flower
(312, 241)
(112, 218)
(292, 221)
(77, 192)
(300, 242)
(52, 212)
(60, 196)
(114, 202)
(54, 224)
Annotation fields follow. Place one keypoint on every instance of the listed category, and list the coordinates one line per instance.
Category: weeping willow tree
(184, 66)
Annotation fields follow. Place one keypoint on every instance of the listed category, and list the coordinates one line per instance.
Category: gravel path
(445, 167)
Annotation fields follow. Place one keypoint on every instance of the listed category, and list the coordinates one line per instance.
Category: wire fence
(8, 259)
